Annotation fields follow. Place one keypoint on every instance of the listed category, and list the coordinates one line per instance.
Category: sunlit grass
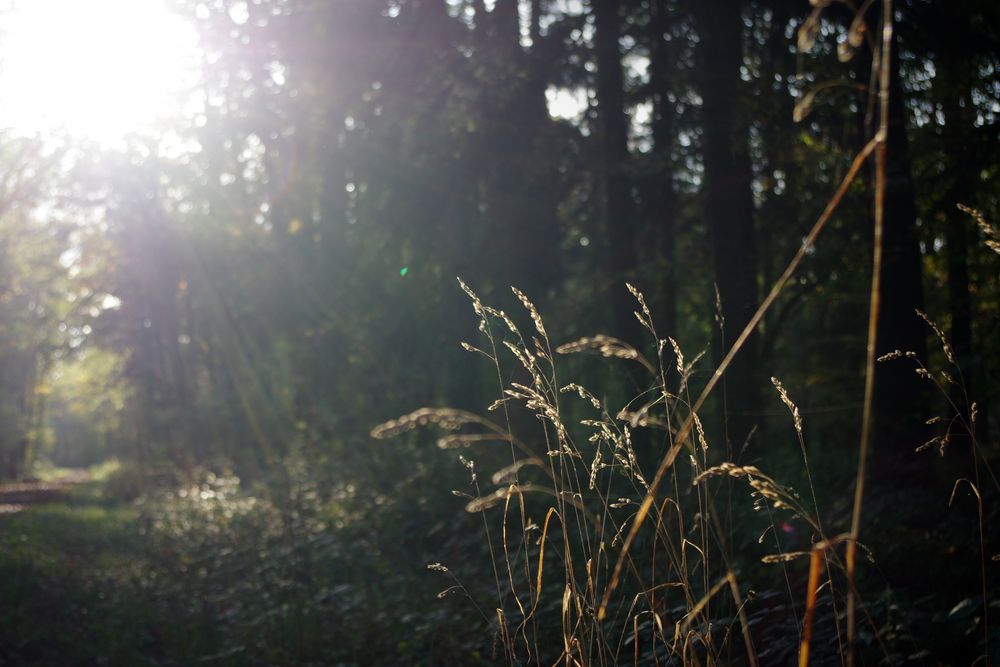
(99, 472)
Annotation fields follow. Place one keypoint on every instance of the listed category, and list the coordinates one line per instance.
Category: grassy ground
(66, 568)
(209, 573)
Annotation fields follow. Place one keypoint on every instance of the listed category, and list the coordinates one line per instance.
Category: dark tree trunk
(899, 395)
(479, 13)
(509, 151)
(507, 23)
(619, 208)
(961, 166)
(952, 91)
(535, 23)
(661, 198)
(534, 216)
(727, 198)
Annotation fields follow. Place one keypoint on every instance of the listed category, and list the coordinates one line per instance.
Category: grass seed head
(530, 307)
(449, 419)
(606, 346)
(945, 345)
(783, 393)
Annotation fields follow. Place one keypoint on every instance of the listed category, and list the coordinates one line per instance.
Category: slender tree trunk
(509, 153)
(619, 209)
(899, 395)
(535, 23)
(661, 197)
(952, 91)
(728, 200)
(507, 23)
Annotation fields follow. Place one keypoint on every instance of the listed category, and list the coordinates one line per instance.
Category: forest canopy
(230, 232)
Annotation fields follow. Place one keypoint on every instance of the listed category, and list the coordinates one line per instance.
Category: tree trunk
(728, 200)
(899, 395)
(619, 209)
(952, 91)
(661, 198)
(961, 166)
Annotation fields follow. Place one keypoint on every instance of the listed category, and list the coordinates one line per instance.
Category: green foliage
(210, 571)
(86, 401)
(33, 289)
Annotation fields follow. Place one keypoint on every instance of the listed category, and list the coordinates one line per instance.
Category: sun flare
(98, 70)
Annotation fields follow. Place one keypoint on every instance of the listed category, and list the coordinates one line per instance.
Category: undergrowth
(216, 571)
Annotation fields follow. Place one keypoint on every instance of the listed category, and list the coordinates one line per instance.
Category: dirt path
(16, 496)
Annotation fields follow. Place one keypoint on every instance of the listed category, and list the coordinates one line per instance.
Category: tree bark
(619, 208)
(952, 91)
(661, 197)
(727, 199)
(899, 395)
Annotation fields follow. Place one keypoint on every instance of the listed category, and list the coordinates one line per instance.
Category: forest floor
(17, 496)
(200, 574)
(62, 547)
(212, 574)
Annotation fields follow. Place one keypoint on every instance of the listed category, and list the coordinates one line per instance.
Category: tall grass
(565, 508)
(556, 514)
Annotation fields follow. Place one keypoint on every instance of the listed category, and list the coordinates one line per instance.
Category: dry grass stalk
(882, 58)
(896, 354)
(582, 393)
(606, 346)
(817, 557)
(942, 442)
(532, 311)
(456, 440)
(783, 393)
(992, 236)
(728, 580)
(678, 355)
(508, 474)
(782, 497)
(945, 345)
(797, 421)
(645, 317)
(786, 557)
(812, 588)
(501, 495)
(447, 418)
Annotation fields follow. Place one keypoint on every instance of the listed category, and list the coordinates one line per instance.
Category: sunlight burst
(97, 70)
